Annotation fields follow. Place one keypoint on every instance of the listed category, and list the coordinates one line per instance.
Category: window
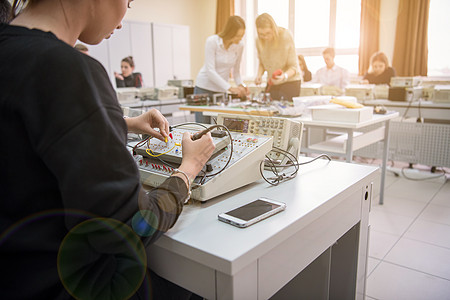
(279, 10)
(315, 25)
(312, 15)
(438, 41)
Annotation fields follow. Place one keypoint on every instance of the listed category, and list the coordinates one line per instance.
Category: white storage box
(338, 113)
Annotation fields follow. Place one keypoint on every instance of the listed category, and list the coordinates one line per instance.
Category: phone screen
(252, 210)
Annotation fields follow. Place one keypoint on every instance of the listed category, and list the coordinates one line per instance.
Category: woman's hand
(280, 78)
(195, 153)
(244, 90)
(258, 80)
(147, 121)
(118, 76)
(240, 91)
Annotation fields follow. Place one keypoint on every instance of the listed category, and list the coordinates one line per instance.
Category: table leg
(349, 150)
(385, 158)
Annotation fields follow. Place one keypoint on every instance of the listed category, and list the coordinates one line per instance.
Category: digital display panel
(252, 210)
(236, 125)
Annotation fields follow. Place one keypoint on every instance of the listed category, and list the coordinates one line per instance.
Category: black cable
(420, 111)
(283, 177)
(189, 123)
(274, 168)
(300, 164)
(407, 109)
(231, 148)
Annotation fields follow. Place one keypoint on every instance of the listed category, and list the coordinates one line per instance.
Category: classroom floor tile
(409, 241)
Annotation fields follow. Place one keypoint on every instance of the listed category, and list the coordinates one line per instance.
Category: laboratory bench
(315, 249)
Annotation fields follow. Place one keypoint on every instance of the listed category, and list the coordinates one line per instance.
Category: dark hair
(5, 11)
(329, 51)
(21, 4)
(301, 58)
(379, 56)
(234, 23)
(129, 60)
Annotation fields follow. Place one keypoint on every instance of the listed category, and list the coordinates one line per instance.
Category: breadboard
(243, 166)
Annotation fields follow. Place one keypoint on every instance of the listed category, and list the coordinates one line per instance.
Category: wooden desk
(292, 255)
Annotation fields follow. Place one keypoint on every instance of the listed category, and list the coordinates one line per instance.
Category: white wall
(199, 15)
(388, 24)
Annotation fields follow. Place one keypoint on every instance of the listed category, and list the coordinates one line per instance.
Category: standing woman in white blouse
(223, 53)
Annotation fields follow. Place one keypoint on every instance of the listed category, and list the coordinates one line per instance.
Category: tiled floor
(409, 245)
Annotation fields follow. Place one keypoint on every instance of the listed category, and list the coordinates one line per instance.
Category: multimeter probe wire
(196, 136)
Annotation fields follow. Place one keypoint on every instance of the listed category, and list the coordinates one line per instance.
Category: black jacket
(68, 184)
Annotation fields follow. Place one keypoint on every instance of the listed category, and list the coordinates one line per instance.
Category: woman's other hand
(195, 153)
(146, 123)
(118, 76)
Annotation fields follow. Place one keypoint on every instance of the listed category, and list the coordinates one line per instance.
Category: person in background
(379, 71)
(223, 53)
(75, 222)
(127, 78)
(82, 48)
(332, 75)
(276, 54)
(5, 11)
(307, 76)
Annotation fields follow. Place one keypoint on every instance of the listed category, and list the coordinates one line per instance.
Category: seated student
(128, 78)
(332, 74)
(379, 71)
(307, 76)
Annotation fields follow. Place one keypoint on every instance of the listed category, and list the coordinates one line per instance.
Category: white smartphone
(252, 212)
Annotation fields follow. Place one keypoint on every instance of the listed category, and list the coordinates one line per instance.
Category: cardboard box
(338, 113)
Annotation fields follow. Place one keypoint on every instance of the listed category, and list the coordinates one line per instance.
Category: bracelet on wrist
(175, 171)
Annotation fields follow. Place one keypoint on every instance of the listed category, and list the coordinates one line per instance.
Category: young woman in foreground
(70, 197)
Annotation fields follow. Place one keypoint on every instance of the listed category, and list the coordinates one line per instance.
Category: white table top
(215, 110)
(319, 186)
(422, 103)
(375, 119)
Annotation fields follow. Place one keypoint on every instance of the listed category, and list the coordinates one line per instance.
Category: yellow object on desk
(346, 103)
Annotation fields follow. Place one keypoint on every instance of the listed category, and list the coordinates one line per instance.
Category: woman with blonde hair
(379, 71)
(277, 57)
(223, 53)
